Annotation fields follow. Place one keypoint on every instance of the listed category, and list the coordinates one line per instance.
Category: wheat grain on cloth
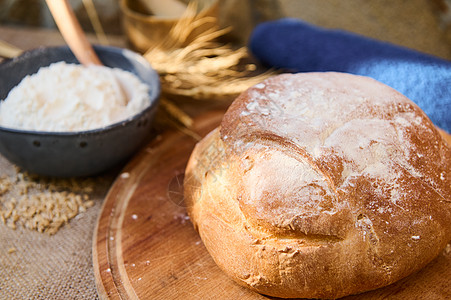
(301, 47)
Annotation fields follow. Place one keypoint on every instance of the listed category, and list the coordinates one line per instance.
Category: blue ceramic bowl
(83, 153)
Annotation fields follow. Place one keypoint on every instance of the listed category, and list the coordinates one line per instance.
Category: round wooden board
(145, 247)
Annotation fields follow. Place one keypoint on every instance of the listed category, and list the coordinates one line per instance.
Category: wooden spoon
(72, 33)
(76, 39)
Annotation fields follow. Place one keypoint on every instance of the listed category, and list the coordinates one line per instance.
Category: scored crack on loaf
(321, 185)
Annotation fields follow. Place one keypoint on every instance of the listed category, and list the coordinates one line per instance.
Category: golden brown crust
(321, 185)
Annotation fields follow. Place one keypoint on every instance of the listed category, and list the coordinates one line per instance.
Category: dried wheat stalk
(192, 63)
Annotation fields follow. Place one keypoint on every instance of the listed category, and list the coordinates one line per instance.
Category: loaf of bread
(321, 185)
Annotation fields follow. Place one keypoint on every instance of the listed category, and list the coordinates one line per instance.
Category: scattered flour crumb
(125, 175)
(448, 249)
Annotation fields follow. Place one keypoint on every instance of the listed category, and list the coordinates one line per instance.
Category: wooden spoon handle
(72, 33)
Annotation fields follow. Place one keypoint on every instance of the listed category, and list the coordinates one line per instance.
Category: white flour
(69, 97)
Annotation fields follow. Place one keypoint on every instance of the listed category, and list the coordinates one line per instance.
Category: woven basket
(143, 29)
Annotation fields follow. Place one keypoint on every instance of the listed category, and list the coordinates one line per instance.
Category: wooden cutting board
(145, 247)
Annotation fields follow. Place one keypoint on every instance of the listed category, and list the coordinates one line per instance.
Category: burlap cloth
(60, 266)
(40, 266)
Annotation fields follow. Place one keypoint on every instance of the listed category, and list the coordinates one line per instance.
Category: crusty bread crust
(321, 185)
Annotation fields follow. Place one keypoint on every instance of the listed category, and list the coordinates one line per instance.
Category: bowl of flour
(59, 118)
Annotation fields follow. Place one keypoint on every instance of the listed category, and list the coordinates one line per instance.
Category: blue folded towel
(302, 47)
